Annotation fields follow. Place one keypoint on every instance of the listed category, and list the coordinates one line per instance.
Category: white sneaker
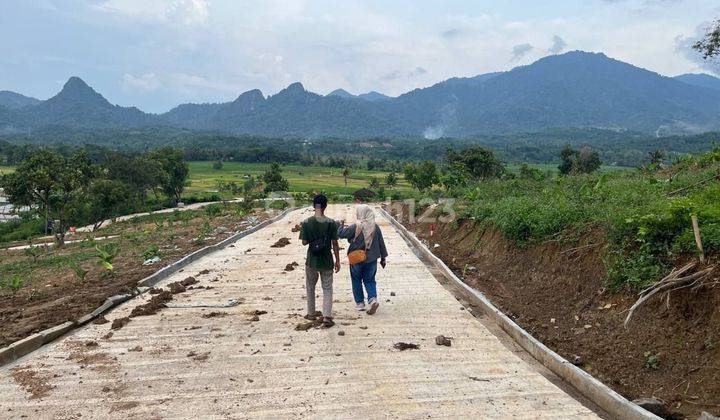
(360, 306)
(373, 306)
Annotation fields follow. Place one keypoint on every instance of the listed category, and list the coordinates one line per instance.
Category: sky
(156, 54)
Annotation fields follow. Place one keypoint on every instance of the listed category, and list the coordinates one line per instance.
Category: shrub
(710, 234)
(151, 251)
(205, 231)
(637, 269)
(652, 361)
(34, 252)
(213, 210)
(20, 230)
(279, 204)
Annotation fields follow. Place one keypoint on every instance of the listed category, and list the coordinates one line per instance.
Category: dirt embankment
(670, 351)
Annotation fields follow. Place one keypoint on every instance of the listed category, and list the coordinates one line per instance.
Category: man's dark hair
(320, 200)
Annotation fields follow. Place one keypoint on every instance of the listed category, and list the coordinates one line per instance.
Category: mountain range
(576, 89)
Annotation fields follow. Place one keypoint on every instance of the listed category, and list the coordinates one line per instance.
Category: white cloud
(189, 12)
(186, 12)
(558, 45)
(158, 53)
(145, 83)
(519, 51)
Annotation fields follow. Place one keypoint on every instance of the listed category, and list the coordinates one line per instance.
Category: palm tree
(345, 174)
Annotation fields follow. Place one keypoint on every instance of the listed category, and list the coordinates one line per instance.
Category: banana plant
(80, 272)
(106, 254)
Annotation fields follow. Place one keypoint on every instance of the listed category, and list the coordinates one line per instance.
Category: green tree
(584, 161)
(140, 173)
(588, 161)
(528, 172)
(49, 182)
(479, 162)
(175, 171)
(567, 159)
(455, 178)
(106, 198)
(391, 179)
(217, 165)
(374, 183)
(423, 175)
(274, 180)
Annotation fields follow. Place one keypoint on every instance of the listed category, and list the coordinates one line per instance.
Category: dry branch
(671, 282)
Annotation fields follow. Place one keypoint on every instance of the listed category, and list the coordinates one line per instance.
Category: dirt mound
(405, 346)
(441, 340)
(304, 326)
(281, 243)
(181, 286)
(257, 312)
(556, 292)
(176, 287)
(155, 303)
(215, 315)
(119, 323)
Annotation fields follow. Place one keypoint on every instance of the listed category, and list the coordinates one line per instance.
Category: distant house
(364, 194)
(8, 212)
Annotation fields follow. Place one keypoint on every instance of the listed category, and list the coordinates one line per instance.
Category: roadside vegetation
(602, 267)
(645, 213)
(53, 285)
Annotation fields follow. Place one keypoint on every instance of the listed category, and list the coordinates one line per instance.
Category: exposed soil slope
(670, 351)
(53, 294)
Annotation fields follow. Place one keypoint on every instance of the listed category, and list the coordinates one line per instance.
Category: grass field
(301, 178)
(203, 178)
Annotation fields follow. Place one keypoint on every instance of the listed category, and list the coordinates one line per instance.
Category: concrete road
(211, 362)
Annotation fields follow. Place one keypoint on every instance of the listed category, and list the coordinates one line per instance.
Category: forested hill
(571, 90)
(618, 148)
